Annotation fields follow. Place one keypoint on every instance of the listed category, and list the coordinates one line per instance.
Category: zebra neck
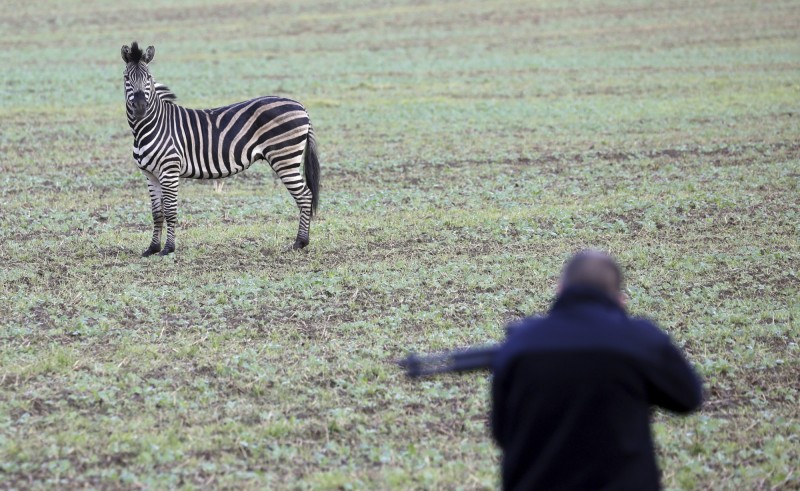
(151, 123)
(150, 136)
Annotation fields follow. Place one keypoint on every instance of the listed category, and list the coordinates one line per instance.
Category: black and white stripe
(171, 142)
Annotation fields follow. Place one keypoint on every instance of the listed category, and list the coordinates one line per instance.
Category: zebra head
(139, 84)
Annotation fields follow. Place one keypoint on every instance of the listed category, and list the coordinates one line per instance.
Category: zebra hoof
(168, 249)
(299, 244)
(153, 249)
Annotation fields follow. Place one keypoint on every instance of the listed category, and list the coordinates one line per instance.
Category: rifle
(464, 360)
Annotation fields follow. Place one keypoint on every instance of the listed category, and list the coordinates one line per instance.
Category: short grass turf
(467, 149)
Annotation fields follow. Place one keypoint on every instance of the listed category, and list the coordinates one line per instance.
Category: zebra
(172, 142)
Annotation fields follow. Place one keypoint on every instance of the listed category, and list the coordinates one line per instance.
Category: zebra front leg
(169, 189)
(154, 187)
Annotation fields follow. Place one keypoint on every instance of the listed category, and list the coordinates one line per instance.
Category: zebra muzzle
(139, 104)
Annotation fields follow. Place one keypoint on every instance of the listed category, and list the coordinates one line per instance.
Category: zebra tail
(311, 170)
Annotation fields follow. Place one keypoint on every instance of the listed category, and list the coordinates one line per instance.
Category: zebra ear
(148, 54)
(126, 52)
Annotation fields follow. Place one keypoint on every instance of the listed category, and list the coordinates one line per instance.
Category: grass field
(467, 148)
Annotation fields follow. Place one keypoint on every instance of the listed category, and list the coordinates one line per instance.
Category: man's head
(594, 269)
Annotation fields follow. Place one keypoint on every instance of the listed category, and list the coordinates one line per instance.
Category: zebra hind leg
(302, 197)
(289, 173)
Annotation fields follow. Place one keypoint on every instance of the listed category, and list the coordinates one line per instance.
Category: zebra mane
(163, 92)
(136, 53)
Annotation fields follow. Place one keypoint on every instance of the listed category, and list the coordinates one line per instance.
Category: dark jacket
(572, 393)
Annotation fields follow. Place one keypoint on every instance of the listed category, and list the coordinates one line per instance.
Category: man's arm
(674, 385)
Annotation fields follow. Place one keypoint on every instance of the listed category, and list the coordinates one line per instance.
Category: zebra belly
(204, 171)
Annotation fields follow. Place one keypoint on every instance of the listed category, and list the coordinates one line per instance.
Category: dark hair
(136, 53)
(595, 269)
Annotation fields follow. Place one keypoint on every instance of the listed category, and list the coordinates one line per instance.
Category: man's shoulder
(554, 332)
(648, 328)
(519, 334)
(530, 328)
(525, 324)
(530, 324)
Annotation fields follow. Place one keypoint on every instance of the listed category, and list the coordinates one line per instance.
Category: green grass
(467, 149)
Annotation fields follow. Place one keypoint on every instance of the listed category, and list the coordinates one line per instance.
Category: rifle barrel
(465, 360)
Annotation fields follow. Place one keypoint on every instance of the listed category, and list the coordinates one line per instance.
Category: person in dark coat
(572, 391)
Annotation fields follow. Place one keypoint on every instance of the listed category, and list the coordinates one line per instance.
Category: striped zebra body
(173, 142)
